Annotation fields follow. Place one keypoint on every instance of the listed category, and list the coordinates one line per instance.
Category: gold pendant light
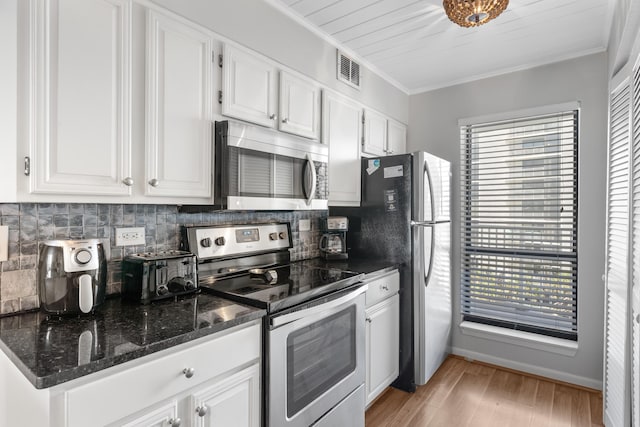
(473, 13)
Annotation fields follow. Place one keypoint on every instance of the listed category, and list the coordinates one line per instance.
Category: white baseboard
(531, 369)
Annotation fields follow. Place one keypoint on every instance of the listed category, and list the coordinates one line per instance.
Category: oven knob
(273, 236)
(206, 242)
(282, 235)
(221, 241)
(162, 290)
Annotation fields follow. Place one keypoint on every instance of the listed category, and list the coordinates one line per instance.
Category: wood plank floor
(464, 393)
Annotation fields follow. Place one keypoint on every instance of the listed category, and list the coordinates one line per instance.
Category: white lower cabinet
(166, 415)
(232, 402)
(382, 336)
(214, 380)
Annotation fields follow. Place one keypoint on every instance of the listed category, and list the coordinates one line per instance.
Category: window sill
(523, 339)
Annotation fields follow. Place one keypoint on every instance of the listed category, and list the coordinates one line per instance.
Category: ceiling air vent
(348, 70)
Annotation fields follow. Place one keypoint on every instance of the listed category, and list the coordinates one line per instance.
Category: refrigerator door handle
(427, 276)
(421, 226)
(432, 206)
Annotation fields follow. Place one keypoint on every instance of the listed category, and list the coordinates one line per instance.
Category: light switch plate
(4, 243)
(304, 225)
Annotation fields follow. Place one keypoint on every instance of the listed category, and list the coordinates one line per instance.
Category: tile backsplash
(32, 223)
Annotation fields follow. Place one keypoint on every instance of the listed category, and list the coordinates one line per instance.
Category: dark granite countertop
(52, 350)
(371, 267)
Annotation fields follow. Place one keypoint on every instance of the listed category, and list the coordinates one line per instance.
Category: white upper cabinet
(250, 92)
(396, 138)
(299, 106)
(383, 136)
(77, 97)
(249, 87)
(342, 130)
(179, 75)
(375, 133)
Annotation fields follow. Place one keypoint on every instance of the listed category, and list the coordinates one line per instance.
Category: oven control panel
(219, 242)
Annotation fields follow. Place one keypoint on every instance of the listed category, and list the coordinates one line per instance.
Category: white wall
(261, 27)
(433, 126)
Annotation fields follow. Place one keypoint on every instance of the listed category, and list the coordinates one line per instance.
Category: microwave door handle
(312, 191)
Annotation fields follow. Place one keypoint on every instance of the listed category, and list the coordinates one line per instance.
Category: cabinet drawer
(382, 287)
(133, 389)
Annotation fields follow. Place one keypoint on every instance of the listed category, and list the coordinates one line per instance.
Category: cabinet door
(383, 329)
(342, 121)
(396, 138)
(249, 87)
(234, 401)
(164, 416)
(299, 106)
(78, 99)
(375, 134)
(179, 108)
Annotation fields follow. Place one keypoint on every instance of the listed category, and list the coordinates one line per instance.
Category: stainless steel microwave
(262, 169)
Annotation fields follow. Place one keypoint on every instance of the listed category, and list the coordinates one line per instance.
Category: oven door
(316, 359)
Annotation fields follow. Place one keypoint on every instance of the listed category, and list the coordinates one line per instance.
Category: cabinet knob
(202, 410)
(154, 182)
(285, 120)
(384, 287)
(272, 116)
(128, 181)
(188, 372)
(175, 422)
(368, 319)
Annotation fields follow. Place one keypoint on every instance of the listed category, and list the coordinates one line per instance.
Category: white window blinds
(519, 223)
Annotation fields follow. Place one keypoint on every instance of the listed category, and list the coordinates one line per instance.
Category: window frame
(467, 192)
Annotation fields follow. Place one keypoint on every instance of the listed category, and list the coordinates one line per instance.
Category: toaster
(153, 276)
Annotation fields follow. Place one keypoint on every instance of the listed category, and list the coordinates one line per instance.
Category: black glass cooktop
(280, 287)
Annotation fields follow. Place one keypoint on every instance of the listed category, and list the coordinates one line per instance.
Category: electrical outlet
(130, 236)
(4, 243)
(304, 225)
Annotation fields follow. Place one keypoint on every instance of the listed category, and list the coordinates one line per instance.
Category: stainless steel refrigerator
(404, 217)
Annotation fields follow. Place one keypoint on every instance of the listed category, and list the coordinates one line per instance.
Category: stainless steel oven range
(314, 332)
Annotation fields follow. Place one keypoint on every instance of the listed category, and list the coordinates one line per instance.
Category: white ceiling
(413, 44)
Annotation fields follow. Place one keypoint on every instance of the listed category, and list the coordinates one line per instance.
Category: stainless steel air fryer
(72, 276)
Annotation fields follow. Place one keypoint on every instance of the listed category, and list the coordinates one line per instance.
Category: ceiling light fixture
(473, 13)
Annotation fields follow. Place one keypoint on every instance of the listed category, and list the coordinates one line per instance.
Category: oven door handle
(278, 321)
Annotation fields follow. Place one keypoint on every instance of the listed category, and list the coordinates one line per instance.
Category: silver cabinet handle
(384, 287)
(285, 120)
(175, 422)
(368, 319)
(128, 181)
(188, 372)
(202, 410)
(272, 116)
(154, 182)
(638, 318)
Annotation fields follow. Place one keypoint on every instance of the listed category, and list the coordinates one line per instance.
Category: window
(519, 223)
